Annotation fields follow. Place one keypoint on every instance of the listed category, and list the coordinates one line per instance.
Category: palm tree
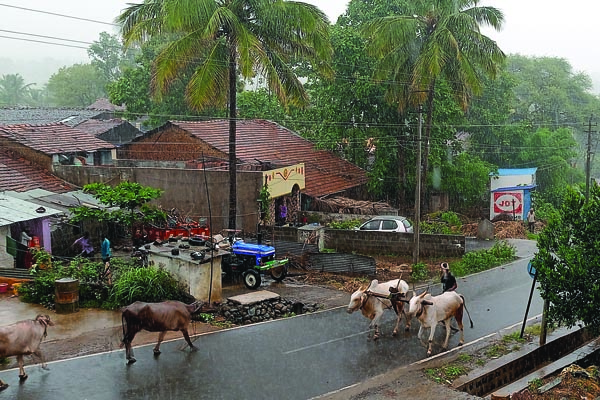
(435, 39)
(223, 39)
(13, 90)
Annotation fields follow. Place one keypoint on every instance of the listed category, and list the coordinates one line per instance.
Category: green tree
(466, 180)
(431, 40)
(567, 261)
(131, 199)
(109, 57)
(221, 40)
(14, 90)
(76, 86)
(133, 90)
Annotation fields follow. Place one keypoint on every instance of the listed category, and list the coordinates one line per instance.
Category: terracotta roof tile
(19, 175)
(267, 141)
(53, 138)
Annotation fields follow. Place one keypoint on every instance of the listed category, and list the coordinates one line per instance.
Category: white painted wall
(197, 277)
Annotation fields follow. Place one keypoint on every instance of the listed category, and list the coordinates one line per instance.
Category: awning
(15, 210)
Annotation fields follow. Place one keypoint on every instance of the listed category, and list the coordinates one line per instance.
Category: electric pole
(587, 160)
(417, 224)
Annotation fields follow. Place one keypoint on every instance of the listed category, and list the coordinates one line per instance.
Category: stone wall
(266, 310)
(382, 243)
(377, 243)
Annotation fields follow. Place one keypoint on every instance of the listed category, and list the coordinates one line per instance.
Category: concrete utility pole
(416, 227)
(587, 160)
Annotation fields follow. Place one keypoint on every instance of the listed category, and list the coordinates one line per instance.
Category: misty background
(532, 28)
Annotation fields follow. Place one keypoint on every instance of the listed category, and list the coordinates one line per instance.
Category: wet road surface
(294, 358)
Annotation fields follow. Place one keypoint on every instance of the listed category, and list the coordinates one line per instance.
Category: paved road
(294, 358)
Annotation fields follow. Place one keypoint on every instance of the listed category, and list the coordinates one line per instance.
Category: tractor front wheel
(251, 279)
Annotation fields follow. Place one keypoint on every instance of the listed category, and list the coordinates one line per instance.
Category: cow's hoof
(395, 333)
(460, 343)
(23, 377)
(407, 329)
(131, 360)
(156, 352)
(3, 386)
(193, 348)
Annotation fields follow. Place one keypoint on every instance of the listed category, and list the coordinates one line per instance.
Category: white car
(387, 223)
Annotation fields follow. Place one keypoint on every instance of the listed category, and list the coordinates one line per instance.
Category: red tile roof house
(50, 144)
(258, 142)
(261, 146)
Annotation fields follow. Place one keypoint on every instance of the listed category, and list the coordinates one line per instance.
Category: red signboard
(508, 202)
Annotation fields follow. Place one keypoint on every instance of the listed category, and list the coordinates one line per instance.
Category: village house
(51, 144)
(260, 146)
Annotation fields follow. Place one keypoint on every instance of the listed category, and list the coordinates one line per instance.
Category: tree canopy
(221, 41)
(567, 261)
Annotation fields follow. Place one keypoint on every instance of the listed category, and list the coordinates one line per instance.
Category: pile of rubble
(502, 230)
(266, 310)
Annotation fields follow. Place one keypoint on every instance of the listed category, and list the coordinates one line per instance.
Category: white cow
(430, 310)
(22, 339)
(373, 300)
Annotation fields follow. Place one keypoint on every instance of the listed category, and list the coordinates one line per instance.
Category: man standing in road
(531, 219)
(448, 280)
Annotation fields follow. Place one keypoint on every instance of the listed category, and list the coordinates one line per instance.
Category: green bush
(348, 224)
(482, 260)
(420, 272)
(43, 287)
(148, 285)
(130, 283)
(441, 223)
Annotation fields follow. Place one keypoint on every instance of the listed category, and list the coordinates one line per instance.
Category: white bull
(430, 310)
(23, 338)
(373, 300)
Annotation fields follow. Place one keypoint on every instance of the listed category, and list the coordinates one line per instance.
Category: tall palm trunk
(428, 126)
(232, 137)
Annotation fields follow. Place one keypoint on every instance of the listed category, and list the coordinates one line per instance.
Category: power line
(44, 36)
(59, 15)
(44, 42)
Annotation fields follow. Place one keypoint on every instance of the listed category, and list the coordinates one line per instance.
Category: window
(389, 225)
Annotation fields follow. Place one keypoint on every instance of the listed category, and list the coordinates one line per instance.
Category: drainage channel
(514, 375)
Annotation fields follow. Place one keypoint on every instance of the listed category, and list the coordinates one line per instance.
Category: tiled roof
(104, 105)
(53, 138)
(99, 126)
(40, 115)
(19, 175)
(266, 141)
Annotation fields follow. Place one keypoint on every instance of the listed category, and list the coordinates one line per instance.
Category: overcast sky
(532, 27)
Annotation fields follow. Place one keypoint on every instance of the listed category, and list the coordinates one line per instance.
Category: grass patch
(447, 373)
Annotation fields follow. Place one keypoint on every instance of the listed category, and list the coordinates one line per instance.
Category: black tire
(251, 279)
(278, 273)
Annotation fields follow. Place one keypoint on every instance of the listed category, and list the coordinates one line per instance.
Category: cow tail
(468, 313)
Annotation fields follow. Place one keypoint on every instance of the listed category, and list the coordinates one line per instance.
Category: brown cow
(156, 317)
(23, 338)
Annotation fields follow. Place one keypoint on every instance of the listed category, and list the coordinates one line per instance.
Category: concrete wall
(197, 277)
(6, 260)
(184, 189)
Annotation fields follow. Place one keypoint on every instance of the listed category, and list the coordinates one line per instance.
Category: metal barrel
(66, 295)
